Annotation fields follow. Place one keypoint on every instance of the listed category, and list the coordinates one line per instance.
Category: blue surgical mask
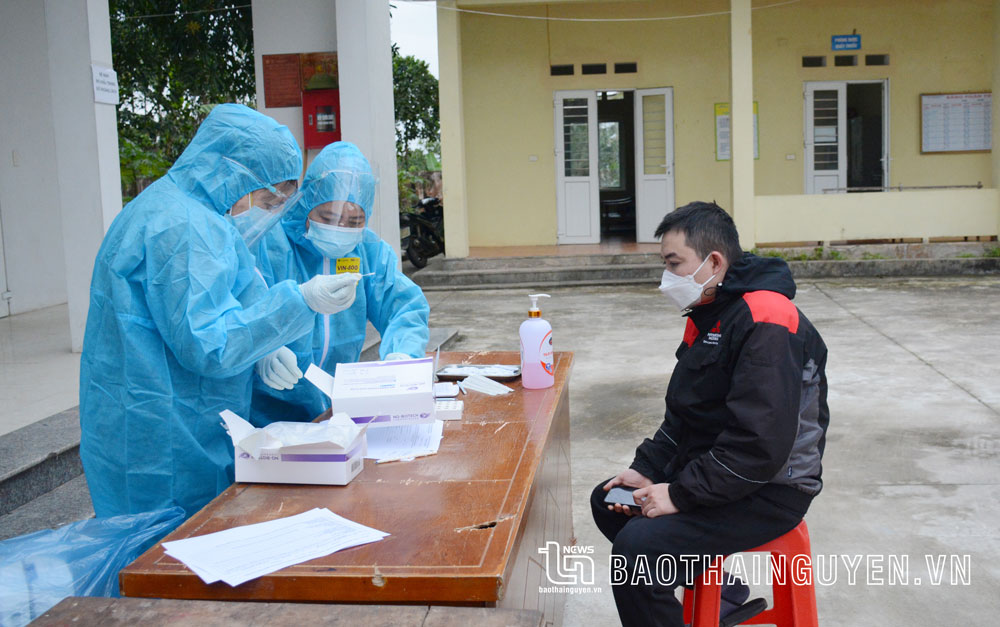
(333, 241)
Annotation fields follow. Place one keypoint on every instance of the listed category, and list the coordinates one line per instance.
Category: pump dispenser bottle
(537, 366)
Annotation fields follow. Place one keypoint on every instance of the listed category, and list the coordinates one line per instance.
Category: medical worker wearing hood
(325, 233)
(179, 315)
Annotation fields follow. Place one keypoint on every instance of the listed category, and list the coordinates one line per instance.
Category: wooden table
(149, 612)
(465, 524)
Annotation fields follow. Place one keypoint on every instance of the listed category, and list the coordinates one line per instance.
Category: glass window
(609, 155)
(654, 137)
(825, 140)
(575, 137)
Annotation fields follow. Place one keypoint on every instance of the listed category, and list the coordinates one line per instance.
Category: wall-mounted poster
(956, 122)
(319, 70)
(281, 80)
(286, 76)
(723, 133)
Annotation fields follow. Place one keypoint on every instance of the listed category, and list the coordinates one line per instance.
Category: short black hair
(706, 227)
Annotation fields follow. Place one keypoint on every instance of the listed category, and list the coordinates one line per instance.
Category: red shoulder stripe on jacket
(690, 333)
(774, 308)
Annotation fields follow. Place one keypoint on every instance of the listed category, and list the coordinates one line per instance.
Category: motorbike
(421, 231)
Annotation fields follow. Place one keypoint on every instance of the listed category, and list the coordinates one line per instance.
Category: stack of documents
(404, 442)
(243, 553)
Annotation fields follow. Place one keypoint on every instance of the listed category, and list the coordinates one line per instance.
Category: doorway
(846, 136)
(614, 164)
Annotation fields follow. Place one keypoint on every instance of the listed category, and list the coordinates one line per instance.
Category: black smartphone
(622, 495)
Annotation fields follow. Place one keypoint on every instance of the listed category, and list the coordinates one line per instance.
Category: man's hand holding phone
(622, 500)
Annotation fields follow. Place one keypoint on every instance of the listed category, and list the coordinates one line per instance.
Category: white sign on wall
(723, 133)
(956, 122)
(105, 84)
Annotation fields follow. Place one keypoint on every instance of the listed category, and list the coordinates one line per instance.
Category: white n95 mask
(683, 291)
(333, 241)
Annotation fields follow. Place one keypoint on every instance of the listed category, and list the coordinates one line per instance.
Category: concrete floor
(39, 375)
(911, 466)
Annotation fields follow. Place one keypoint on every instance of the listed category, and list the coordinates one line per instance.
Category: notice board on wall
(956, 122)
(286, 76)
(723, 133)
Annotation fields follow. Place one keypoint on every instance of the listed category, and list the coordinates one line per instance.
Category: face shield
(335, 225)
(346, 196)
(254, 214)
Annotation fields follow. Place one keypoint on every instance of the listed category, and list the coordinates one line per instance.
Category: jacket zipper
(326, 319)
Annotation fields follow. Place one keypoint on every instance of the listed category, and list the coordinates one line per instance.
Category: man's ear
(716, 260)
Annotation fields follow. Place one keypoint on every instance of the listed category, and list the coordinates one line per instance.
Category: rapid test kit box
(381, 393)
(331, 452)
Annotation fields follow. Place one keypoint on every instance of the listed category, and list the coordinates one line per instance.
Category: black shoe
(733, 595)
(742, 613)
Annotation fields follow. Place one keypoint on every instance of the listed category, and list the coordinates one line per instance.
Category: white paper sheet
(320, 378)
(404, 441)
(243, 553)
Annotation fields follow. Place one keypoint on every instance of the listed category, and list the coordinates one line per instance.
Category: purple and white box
(263, 458)
(384, 393)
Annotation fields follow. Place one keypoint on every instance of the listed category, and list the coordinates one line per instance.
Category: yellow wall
(934, 46)
(826, 217)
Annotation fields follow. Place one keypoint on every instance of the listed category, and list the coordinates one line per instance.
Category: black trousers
(646, 597)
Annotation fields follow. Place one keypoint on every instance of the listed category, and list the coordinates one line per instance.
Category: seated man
(325, 233)
(736, 462)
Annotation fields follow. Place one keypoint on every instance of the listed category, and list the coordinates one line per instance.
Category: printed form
(400, 442)
(243, 553)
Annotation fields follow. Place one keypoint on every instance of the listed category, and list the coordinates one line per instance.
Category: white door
(825, 136)
(577, 189)
(654, 159)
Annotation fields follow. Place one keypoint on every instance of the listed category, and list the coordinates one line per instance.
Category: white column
(741, 116)
(282, 27)
(86, 142)
(996, 101)
(32, 266)
(456, 212)
(368, 119)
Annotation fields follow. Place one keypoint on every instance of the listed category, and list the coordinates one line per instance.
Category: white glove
(396, 357)
(330, 293)
(280, 369)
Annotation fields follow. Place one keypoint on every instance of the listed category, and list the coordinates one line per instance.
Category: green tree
(415, 95)
(418, 128)
(175, 60)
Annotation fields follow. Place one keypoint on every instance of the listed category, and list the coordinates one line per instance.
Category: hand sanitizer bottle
(537, 366)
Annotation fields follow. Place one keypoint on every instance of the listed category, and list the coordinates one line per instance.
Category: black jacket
(746, 404)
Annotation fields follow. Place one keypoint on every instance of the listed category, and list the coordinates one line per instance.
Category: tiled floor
(39, 375)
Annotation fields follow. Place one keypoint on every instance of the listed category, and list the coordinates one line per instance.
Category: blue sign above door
(845, 42)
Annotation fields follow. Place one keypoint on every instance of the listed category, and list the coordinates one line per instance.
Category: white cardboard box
(384, 393)
(323, 463)
(306, 463)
